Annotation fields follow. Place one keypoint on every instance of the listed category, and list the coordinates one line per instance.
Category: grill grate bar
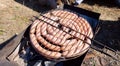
(102, 51)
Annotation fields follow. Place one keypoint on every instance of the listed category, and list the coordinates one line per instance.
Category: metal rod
(104, 53)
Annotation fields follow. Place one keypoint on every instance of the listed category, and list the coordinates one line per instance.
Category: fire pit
(60, 35)
(54, 36)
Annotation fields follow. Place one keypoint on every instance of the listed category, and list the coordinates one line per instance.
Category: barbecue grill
(30, 44)
(60, 34)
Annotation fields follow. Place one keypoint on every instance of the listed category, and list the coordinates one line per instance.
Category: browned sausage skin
(38, 47)
(57, 34)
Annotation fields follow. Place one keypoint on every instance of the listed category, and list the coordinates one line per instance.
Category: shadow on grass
(33, 4)
(108, 3)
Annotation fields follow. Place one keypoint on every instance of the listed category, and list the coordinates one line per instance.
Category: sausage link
(49, 33)
(42, 50)
(44, 42)
(32, 29)
(69, 45)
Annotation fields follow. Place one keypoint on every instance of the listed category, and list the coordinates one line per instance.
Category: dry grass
(14, 17)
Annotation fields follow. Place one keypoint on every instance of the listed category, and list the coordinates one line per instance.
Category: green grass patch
(2, 31)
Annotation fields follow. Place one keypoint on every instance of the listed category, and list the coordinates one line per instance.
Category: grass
(2, 31)
(21, 18)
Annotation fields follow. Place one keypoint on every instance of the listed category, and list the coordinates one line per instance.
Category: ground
(15, 15)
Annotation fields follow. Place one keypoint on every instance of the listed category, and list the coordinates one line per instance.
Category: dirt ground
(14, 17)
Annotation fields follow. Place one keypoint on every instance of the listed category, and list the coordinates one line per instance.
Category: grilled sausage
(43, 41)
(43, 51)
(60, 30)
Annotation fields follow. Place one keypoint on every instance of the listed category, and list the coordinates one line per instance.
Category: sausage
(86, 44)
(43, 51)
(43, 29)
(57, 13)
(70, 52)
(69, 44)
(43, 41)
(85, 47)
(65, 14)
(48, 21)
(77, 48)
(50, 30)
(33, 26)
(55, 34)
(63, 42)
